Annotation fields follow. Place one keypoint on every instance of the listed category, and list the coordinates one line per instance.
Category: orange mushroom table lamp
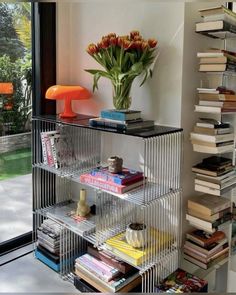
(68, 93)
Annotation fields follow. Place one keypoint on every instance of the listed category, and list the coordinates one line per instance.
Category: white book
(212, 138)
(208, 90)
(44, 150)
(211, 103)
(207, 190)
(207, 183)
(205, 224)
(210, 54)
(224, 178)
(213, 150)
(211, 109)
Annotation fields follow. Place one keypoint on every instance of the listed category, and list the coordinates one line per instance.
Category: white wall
(89, 21)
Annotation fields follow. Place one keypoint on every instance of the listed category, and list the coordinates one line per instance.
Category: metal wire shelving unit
(157, 203)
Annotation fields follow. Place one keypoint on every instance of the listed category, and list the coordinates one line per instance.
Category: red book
(108, 185)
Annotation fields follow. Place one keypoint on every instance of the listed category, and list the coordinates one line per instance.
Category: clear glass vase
(121, 95)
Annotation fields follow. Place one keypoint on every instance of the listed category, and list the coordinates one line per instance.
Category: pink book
(108, 185)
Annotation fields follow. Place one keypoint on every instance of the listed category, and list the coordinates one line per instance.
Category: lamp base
(68, 115)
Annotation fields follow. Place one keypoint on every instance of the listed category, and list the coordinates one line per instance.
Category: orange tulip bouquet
(123, 59)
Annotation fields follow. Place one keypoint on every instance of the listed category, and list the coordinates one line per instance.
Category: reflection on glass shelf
(65, 213)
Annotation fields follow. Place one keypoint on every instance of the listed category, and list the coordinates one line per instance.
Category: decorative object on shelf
(115, 164)
(83, 208)
(136, 235)
(68, 93)
(123, 58)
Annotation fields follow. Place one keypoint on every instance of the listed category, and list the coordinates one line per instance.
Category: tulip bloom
(92, 49)
(152, 43)
(133, 34)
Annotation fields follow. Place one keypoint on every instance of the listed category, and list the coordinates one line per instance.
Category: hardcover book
(205, 239)
(121, 115)
(108, 185)
(122, 178)
(119, 246)
(109, 259)
(208, 204)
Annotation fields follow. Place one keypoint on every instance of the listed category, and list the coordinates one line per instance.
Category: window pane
(15, 120)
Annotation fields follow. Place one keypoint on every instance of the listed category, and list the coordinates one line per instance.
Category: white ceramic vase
(136, 238)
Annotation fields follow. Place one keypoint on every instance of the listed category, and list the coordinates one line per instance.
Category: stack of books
(208, 212)
(204, 249)
(213, 144)
(106, 273)
(218, 22)
(48, 244)
(119, 183)
(181, 281)
(217, 60)
(121, 120)
(214, 175)
(216, 100)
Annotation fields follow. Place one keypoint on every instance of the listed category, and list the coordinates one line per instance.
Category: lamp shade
(68, 93)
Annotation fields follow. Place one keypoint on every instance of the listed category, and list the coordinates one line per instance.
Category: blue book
(47, 261)
(121, 115)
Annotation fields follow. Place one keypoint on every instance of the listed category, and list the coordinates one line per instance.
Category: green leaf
(145, 78)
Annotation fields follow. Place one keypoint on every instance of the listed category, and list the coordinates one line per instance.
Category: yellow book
(119, 246)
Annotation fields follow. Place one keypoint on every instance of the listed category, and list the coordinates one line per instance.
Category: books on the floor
(208, 204)
(121, 115)
(83, 286)
(119, 246)
(205, 239)
(111, 260)
(126, 126)
(122, 178)
(89, 179)
(123, 283)
(41, 256)
(181, 281)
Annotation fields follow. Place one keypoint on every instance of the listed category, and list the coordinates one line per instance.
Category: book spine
(106, 268)
(50, 160)
(54, 152)
(44, 150)
(107, 124)
(97, 270)
(121, 266)
(113, 115)
(101, 184)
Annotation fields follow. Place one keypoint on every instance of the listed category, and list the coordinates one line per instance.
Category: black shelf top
(83, 122)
